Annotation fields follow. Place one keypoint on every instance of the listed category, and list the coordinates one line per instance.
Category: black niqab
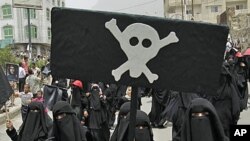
(95, 102)
(205, 128)
(122, 121)
(68, 128)
(34, 126)
(143, 130)
(76, 96)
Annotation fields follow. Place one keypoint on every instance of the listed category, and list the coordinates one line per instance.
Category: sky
(142, 7)
(81, 4)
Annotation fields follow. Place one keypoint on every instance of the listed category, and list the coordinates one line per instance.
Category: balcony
(241, 11)
(235, 0)
(178, 2)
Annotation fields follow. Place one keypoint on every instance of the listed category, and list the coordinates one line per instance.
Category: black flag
(52, 94)
(5, 89)
(137, 50)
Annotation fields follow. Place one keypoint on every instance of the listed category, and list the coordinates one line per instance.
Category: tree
(7, 57)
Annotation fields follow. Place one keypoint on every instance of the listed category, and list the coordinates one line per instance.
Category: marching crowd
(89, 111)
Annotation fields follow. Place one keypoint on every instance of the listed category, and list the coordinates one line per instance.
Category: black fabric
(98, 120)
(5, 89)
(124, 110)
(159, 100)
(76, 96)
(89, 39)
(68, 128)
(52, 94)
(207, 127)
(142, 134)
(227, 103)
(12, 134)
(201, 125)
(143, 130)
(181, 102)
(110, 94)
(34, 127)
(145, 134)
(95, 102)
(241, 81)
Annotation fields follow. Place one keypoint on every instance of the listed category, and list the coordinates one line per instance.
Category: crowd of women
(89, 112)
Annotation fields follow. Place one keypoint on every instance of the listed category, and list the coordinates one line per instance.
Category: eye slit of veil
(200, 114)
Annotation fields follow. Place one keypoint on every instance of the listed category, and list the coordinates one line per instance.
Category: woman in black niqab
(35, 126)
(227, 102)
(98, 121)
(202, 123)
(143, 130)
(124, 110)
(66, 124)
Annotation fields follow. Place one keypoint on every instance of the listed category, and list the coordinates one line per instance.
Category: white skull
(140, 43)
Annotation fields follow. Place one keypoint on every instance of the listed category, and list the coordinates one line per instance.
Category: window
(7, 13)
(214, 9)
(32, 13)
(48, 14)
(171, 10)
(189, 11)
(63, 4)
(8, 32)
(239, 7)
(248, 21)
(49, 33)
(58, 2)
(33, 30)
(53, 2)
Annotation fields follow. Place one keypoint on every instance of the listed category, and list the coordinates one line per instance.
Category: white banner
(34, 4)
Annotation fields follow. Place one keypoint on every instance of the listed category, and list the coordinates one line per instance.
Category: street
(159, 134)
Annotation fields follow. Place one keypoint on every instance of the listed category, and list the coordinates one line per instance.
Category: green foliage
(40, 63)
(7, 57)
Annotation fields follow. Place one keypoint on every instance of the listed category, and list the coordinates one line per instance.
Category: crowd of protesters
(88, 112)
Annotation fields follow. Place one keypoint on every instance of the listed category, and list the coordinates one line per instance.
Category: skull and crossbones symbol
(140, 42)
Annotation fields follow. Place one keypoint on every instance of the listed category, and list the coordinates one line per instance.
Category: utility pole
(185, 9)
(182, 13)
(164, 8)
(29, 32)
(192, 8)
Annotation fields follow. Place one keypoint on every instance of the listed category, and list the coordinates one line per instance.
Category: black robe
(205, 126)
(68, 128)
(143, 131)
(182, 102)
(110, 94)
(241, 80)
(159, 101)
(227, 103)
(76, 101)
(35, 127)
(124, 110)
(98, 120)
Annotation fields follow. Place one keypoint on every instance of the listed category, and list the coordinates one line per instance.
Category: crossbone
(140, 43)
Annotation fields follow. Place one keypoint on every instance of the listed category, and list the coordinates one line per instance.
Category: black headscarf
(34, 127)
(143, 131)
(124, 110)
(206, 127)
(227, 102)
(68, 128)
(94, 99)
(76, 96)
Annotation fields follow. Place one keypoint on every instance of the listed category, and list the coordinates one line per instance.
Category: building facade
(203, 10)
(14, 26)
